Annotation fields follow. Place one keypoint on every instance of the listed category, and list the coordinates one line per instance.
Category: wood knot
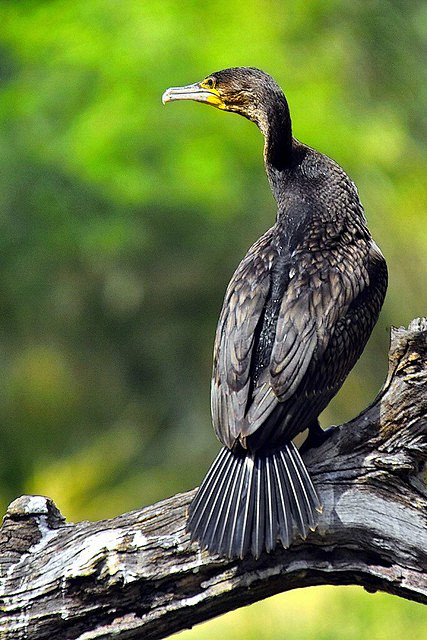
(28, 507)
(28, 520)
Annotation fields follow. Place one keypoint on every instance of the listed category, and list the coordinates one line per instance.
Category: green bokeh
(122, 221)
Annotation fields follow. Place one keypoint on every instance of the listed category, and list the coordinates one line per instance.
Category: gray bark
(137, 575)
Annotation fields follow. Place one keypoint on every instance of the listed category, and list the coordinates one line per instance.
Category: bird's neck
(275, 124)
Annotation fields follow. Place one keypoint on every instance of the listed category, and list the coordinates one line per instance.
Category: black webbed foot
(316, 436)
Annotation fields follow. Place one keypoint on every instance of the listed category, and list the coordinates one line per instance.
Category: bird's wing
(315, 299)
(243, 305)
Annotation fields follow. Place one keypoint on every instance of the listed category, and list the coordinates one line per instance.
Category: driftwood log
(137, 575)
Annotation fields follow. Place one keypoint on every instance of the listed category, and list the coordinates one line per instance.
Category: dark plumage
(296, 317)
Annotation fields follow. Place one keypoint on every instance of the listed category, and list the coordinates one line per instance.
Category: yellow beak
(193, 92)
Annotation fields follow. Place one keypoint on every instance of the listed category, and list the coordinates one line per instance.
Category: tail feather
(307, 497)
(201, 503)
(284, 506)
(257, 535)
(248, 501)
(296, 495)
(231, 506)
(312, 496)
(248, 510)
(271, 506)
(205, 517)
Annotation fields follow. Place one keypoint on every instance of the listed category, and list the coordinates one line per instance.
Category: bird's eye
(209, 83)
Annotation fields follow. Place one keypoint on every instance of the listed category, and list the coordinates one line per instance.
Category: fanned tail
(248, 501)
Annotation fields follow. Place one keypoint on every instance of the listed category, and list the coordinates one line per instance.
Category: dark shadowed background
(123, 220)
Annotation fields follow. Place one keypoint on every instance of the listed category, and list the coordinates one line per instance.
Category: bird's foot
(316, 437)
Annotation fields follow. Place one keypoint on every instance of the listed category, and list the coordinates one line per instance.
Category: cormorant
(296, 316)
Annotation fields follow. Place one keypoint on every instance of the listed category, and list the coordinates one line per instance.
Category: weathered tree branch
(137, 576)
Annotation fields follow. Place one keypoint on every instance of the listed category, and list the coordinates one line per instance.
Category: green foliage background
(122, 221)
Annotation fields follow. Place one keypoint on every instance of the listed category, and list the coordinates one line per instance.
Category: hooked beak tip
(165, 97)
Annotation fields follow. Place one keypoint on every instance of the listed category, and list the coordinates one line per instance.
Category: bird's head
(244, 90)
